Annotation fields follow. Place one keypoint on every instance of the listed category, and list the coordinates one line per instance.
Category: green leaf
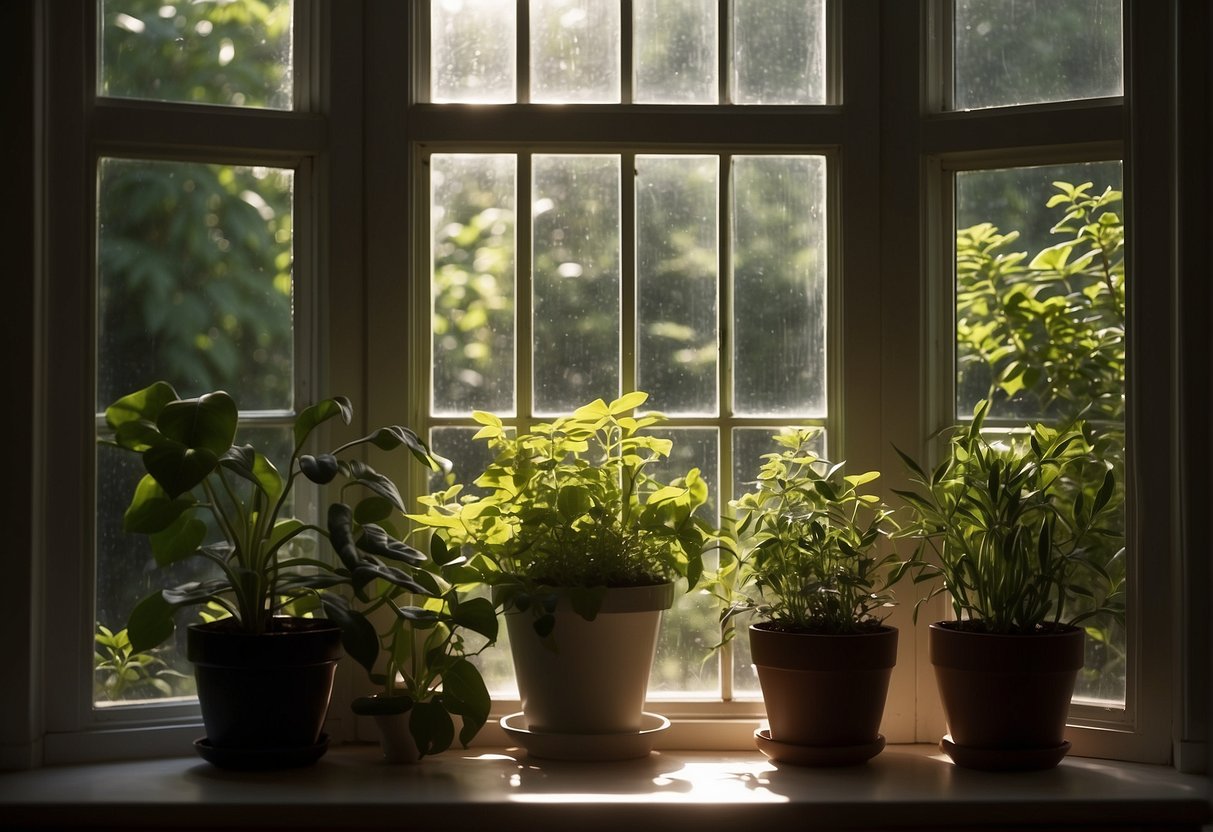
(358, 636)
(205, 423)
(373, 510)
(179, 468)
(586, 601)
(142, 405)
(628, 401)
(432, 728)
(179, 541)
(150, 623)
(476, 614)
(463, 682)
(374, 540)
(378, 483)
(151, 509)
(246, 462)
(573, 501)
(319, 469)
(321, 412)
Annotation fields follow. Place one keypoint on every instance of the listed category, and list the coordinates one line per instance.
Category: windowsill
(905, 787)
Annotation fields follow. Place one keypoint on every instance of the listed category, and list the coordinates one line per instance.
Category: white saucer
(552, 746)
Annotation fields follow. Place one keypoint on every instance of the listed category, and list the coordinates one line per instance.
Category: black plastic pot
(267, 692)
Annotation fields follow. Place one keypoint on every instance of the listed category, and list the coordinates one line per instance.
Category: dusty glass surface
(473, 51)
(195, 280)
(1028, 51)
(574, 51)
(779, 52)
(234, 54)
(576, 281)
(472, 216)
(676, 275)
(674, 48)
(779, 285)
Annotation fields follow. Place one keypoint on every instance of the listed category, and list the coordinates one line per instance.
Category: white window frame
(354, 141)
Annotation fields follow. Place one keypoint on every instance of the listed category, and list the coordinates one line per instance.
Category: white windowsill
(907, 786)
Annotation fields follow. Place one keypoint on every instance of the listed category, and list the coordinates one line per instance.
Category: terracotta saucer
(816, 755)
(261, 759)
(1004, 759)
(554, 746)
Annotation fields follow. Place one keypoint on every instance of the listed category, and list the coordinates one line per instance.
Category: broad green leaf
(206, 423)
(177, 467)
(151, 509)
(179, 541)
(478, 615)
(142, 405)
(358, 636)
(628, 401)
(321, 412)
(463, 682)
(245, 461)
(431, 727)
(150, 623)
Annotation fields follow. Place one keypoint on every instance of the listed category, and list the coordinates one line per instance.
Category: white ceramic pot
(395, 739)
(595, 680)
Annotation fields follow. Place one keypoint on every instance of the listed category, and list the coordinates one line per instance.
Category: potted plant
(582, 545)
(1013, 528)
(806, 560)
(263, 671)
(427, 675)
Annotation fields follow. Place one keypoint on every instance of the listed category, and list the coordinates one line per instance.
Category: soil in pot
(825, 692)
(268, 691)
(593, 678)
(1006, 697)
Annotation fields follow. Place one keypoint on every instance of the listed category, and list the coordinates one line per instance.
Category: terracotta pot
(1006, 693)
(595, 680)
(268, 691)
(824, 690)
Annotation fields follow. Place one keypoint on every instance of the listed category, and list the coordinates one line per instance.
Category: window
(774, 209)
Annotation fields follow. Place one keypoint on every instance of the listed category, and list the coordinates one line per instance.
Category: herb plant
(195, 471)
(574, 504)
(1014, 536)
(120, 672)
(807, 545)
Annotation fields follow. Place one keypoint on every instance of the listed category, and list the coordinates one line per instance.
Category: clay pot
(596, 678)
(1005, 697)
(266, 691)
(825, 691)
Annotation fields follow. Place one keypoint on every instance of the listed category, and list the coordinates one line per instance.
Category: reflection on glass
(576, 280)
(1040, 329)
(676, 276)
(234, 54)
(674, 44)
(779, 285)
(749, 446)
(127, 572)
(685, 661)
(1027, 53)
(779, 51)
(472, 51)
(195, 281)
(472, 221)
(574, 51)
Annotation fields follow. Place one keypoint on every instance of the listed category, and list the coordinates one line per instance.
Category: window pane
(1040, 323)
(473, 51)
(674, 43)
(1026, 53)
(576, 280)
(574, 51)
(195, 280)
(676, 275)
(472, 220)
(126, 572)
(779, 50)
(1040, 306)
(779, 285)
(749, 446)
(685, 661)
(235, 54)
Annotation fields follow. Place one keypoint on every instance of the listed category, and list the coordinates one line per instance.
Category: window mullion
(524, 323)
(522, 34)
(627, 64)
(628, 352)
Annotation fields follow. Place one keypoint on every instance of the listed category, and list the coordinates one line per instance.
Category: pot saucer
(627, 745)
(816, 755)
(261, 759)
(1004, 759)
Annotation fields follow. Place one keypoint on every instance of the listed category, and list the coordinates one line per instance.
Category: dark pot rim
(876, 650)
(1056, 651)
(293, 642)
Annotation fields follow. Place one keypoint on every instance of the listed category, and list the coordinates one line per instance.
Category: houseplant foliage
(262, 565)
(1009, 531)
(808, 560)
(572, 525)
(427, 674)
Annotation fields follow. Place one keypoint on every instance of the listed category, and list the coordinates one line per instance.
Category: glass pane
(235, 54)
(676, 275)
(685, 661)
(749, 445)
(472, 222)
(1040, 295)
(195, 282)
(126, 573)
(779, 52)
(1026, 53)
(576, 280)
(473, 51)
(1040, 324)
(779, 285)
(674, 44)
(574, 51)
